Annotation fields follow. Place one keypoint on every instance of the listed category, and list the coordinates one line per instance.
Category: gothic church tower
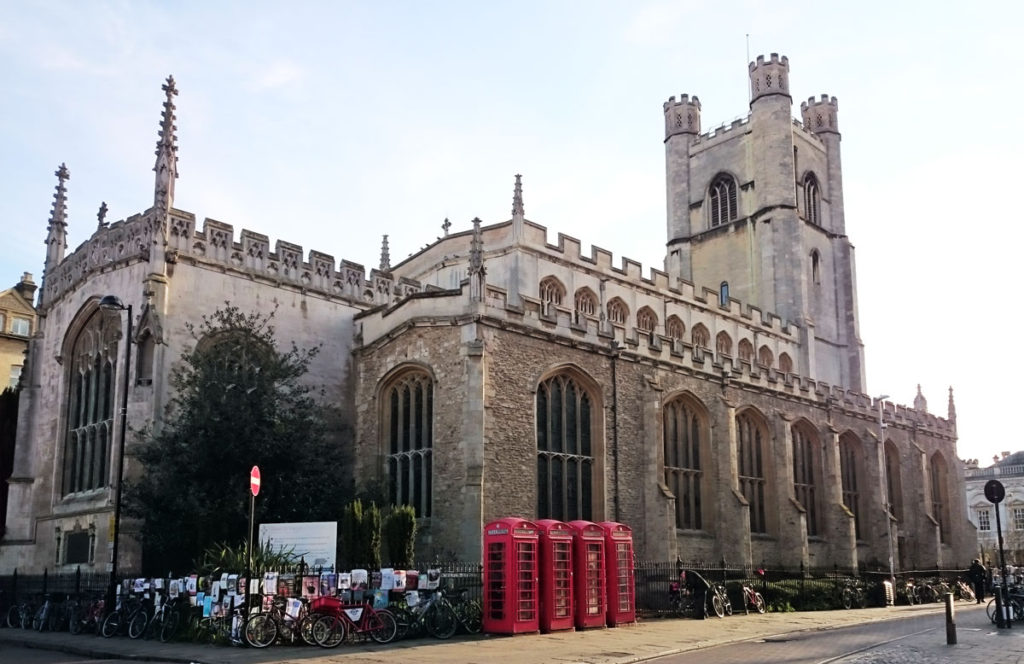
(755, 212)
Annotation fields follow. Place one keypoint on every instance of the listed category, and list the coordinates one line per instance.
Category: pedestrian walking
(978, 574)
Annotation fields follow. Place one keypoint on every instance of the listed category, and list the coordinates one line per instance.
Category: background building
(715, 406)
(1009, 470)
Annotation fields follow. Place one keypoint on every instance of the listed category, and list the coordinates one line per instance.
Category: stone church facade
(716, 406)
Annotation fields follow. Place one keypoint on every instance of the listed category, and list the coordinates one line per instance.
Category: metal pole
(109, 604)
(887, 500)
(248, 582)
(1002, 565)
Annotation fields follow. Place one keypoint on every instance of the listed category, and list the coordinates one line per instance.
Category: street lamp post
(113, 303)
(886, 498)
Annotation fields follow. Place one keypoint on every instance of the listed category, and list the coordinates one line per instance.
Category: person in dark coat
(978, 574)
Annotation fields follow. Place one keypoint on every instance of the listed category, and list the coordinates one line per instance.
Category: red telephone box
(590, 574)
(621, 588)
(510, 576)
(555, 575)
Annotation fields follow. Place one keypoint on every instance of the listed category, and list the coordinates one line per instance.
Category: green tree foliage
(400, 536)
(360, 536)
(238, 401)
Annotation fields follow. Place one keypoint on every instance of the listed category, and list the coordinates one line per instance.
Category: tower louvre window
(617, 311)
(812, 200)
(723, 199)
(552, 291)
(646, 319)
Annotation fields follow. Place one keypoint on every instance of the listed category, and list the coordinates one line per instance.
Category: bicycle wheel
(170, 626)
(404, 621)
(305, 628)
(847, 598)
(39, 619)
(14, 616)
(384, 626)
(111, 624)
(260, 631)
(991, 609)
(727, 604)
(759, 603)
(717, 606)
(138, 624)
(440, 621)
(471, 616)
(329, 631)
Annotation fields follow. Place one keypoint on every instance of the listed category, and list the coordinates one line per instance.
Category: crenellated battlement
(821, 116)
(214, 245)
(722, 129)
(769, 77)
(682, 117)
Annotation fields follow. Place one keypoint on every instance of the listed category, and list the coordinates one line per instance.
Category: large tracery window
(408, 420)
(850, 471)
(893, 480)
(90, 415)
(565, 450)
(940, 495)
(804, 476)
(723, 199)
(684, 472)
(752, 442)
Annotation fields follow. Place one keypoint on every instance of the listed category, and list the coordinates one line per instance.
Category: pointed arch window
(585, 303)
(723, 343)
(805, 486)
(850, 468)
(752, 441)
(940, 494)
(145, 347)
(618, 312)
(723, 294)
(565, 450)
(552, 292)
(894, 482)
(812, 199)
(723, 199)
(785, 363)
(745, 350)
(685, 434)
(674, 328)
(407, 420)
(90, 402)
(646, 319)
(700, 337)
(815, 267)
(764, 357)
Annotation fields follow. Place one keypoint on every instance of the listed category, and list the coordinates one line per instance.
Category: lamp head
(112, 303)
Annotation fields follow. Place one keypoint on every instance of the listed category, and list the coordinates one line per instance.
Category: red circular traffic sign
(254, 480)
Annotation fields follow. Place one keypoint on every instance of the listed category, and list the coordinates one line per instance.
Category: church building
(715, 406)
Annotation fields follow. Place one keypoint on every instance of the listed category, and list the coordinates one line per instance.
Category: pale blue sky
(328, 124)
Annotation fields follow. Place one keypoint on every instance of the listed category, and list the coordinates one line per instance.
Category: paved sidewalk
(979, 642)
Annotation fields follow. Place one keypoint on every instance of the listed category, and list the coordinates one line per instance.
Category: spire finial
(920, 403)
(446, 225)
(385, 256)
(517, 197)
(58, 215)
(951, 414)
(57, 229)
(166, 167)
(477, 271)
(102, 216)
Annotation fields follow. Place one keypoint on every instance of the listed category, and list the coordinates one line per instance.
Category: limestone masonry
(715, 406)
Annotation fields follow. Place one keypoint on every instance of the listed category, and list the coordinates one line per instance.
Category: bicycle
(852, 595)
(1016, 601)
(753, 600)
(378, 624)
(962, 591)
(467, 610)
(87, 618)
(435, 615)
(720, 603)
(121, 617)
(20, 614)
(294, 622)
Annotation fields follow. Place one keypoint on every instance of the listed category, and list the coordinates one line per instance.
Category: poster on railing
(315, 542)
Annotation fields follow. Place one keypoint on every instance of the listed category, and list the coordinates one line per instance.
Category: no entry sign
(254, 480)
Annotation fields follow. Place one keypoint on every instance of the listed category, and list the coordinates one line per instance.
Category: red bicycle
(339, 620)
